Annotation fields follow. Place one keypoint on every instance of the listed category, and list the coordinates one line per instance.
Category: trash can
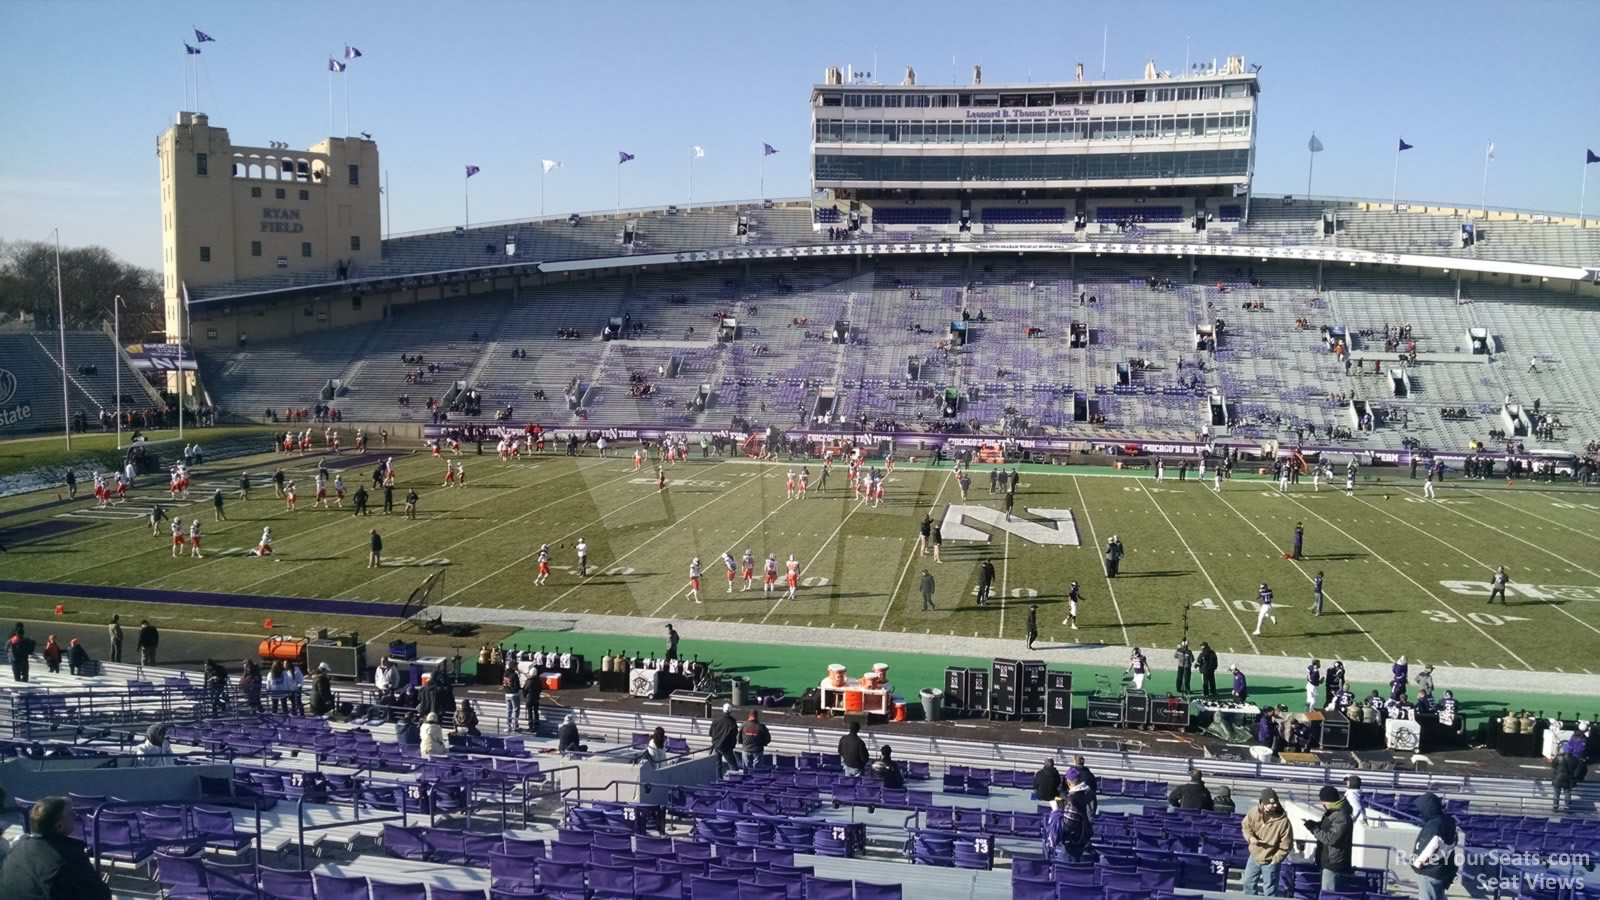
(930, 703)
(739, 685)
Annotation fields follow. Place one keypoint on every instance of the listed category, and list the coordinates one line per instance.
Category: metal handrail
(94, 829)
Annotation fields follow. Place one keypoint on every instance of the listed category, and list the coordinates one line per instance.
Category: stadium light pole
(61, 328)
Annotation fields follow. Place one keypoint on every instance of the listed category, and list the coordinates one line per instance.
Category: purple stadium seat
(829, 889)
(868, 891)
(337, 887)
(509, 894)
(658, 885)
(1074, 892)
(231, 882)
(1028, 889)
(181, 874)
(974, 852)
(611, 882)
(561, 877)
(383, 890)
(1030, 869)
(117, 841)
(286, 884)
(563, 852)
(439, 893)
(703, 888)
(404, 843)
(525, 849)
(512, 871)
(215, 827)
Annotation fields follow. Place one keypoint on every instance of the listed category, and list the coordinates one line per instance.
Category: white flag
(550, 164)
(1491, 151)
(1315, 146)
(699, 150)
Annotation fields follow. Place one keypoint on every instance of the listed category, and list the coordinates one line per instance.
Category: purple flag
(193, 51)
(200, 37)
(1404, 146)
(1592, 157)
(623, 157)
(768, 149)
(351, 52)
(473, 170)
(334, 65)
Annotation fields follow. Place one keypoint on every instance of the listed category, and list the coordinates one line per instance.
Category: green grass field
(1404, 575)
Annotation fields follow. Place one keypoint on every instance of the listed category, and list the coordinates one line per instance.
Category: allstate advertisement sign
(11, 415)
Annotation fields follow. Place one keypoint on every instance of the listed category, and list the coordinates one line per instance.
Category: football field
(1403, 575)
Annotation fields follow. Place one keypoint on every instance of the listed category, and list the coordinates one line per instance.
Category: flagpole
(330, 100)
(347, 104)
(1394, 191)
(542, 174)
(466, 199)
(388, 207)
(1310, 167)
(182, 330)
(691, 176)
(116, 330)
(763, 174)
(1583, 190)
(1484, 206)
(61, 322)
(618, 207)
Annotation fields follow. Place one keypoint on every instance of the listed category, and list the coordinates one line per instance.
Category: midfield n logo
(1058, 529)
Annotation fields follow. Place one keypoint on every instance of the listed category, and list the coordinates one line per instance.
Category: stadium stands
(33, 359)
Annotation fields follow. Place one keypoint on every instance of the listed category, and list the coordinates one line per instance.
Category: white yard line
(1561, 525)
(1221, 597)
(1475, 560)
(803, 569)
(1112, 591)
(629, 474)
(647, 541)
(684, 592)
(1307, 575)
(915, 552)
(1402, 573)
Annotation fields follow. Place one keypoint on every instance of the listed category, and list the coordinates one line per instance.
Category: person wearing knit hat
(1335, 835)
(154, 752)
(753, 740)
(1269, 840)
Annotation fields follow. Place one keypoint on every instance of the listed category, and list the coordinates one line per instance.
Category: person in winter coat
(467, 719)
(250, 685)
(1206, 662)
(149, 639)
(753, 740)
(1269, 839)
(297, 689)
(154, 752)
(278, 687)
(1223, 801)
(1563, 778)
(655, 749)
(531, 688)
(1434, 856)
(1335, 833)
(567, 738)
(511, 689)
(1191, 795)
(724, 735)
(433, 742)
(322, 691)
(886, 770)
(50, 863)
(77, 658)
(853, 751)
(1069, 825)
(1046, 782)
(52, 654)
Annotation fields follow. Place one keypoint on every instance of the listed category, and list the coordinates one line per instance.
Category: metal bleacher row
(1278, 377)
(347, 812)
(34, 359)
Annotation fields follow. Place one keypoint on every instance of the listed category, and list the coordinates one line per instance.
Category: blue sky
(502, 84)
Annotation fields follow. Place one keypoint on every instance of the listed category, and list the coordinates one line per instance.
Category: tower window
(255, 248)
(200, 164)
(355, 174)
(255, 192)
(278, 193)
(305, 194)
(355, 242)
(205, 254)
(305, 248)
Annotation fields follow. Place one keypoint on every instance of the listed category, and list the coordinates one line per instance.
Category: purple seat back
(829, 889)
(287, 884)
(869, 891)
(383, 890)
(439, 893)
(338, 887)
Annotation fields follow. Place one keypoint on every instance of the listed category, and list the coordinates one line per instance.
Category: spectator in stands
(1563, 778)
(1353, 800)
(250, 685)
(1269, 839)
(511, 690)
(278, 687)
(322, 691)
(52, 655)
(467, 719)
(531, 688)
(297, 686)
(149, 639)
(51, 864)
(1192, 795)
(114, 631)
(19, 648)
(77, 658)
(1434, 856)
(886, 770)
(753, 740)
(567, 738)
(386, 678)
(853, 751)
(1046, 782)
(1334, 834)
(1223, 802)
(154, 752)
(655, 749)
(724, 734)
(216, 679)
(433, 742)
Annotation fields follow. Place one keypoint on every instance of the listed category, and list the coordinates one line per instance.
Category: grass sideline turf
(1403, 575)
(99, 449)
